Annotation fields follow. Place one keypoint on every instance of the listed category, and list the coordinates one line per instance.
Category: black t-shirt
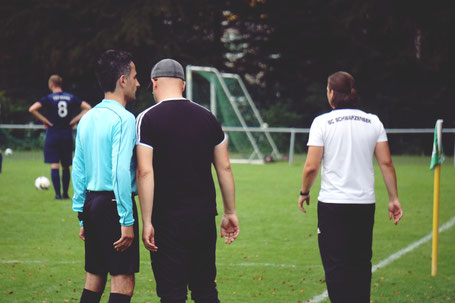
(183, 136)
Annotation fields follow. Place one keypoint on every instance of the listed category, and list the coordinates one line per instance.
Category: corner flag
(437, 157)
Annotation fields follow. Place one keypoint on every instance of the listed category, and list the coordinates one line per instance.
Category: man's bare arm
(34, 110)
(85, 107)
(310, 172)
(145, 189)
(229, 223)
(382, 154)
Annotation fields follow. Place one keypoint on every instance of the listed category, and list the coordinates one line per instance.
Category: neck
(56, 90)
(120, 98)
(169, 95)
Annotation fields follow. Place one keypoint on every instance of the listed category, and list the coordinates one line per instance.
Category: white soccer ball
(8, 152)
(42, 183)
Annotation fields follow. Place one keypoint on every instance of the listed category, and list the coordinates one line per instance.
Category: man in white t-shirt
(344, 141)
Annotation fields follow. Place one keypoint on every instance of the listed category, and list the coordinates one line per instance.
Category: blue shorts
(58, 147)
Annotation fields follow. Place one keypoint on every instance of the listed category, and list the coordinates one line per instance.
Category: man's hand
(395, 211)
(148, 237)
(82, 233)
(303, 199)
(126, 239)
(229, 228)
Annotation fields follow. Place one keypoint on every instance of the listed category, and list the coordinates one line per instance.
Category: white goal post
(231, 103)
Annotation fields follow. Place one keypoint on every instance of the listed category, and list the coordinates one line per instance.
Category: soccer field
(275, 259)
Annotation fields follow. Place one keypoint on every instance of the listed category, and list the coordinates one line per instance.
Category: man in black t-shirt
(177, 142)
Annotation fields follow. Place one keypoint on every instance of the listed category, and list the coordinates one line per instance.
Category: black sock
(89, 296)
(65, 180)
(1, 160)
(55, 176)
(119, 298)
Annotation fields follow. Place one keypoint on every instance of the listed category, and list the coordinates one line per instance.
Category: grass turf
(275, 259)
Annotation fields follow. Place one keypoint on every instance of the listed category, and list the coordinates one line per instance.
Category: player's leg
(122, 287)
(170, 262)
(93, 289)
(345, 235)
(96, 274)
(55, 177)
(52, 156)
(66, 157)
(65, 181)
(121, 265)
(202, 262)
(1, 160)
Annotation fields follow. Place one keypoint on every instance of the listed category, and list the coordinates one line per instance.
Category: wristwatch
(304, 194)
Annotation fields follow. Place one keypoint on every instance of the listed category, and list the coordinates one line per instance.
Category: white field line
(395, 256)
(317, 298)
(148, 263)
(259, 264)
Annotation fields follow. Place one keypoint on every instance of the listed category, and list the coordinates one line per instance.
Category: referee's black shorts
(102, 229)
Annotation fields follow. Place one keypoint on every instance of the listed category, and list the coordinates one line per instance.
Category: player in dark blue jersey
(62, 111)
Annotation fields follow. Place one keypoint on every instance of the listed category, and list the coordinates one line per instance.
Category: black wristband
(304, 194)
(80, 216)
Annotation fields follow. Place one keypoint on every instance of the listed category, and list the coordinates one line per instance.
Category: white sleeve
(316, 133)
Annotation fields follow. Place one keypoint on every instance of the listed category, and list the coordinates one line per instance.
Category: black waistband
(101, 192)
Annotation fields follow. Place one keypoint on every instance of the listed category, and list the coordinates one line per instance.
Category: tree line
(400, 52)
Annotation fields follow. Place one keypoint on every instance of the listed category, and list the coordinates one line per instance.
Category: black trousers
(185, 259)
(345, 234)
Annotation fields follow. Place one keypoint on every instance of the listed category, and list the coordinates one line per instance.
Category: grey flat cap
(168, 68)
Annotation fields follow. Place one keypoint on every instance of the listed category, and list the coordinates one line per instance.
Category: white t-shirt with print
(349, 137)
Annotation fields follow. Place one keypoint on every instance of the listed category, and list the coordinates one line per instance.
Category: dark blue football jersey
(60, 108)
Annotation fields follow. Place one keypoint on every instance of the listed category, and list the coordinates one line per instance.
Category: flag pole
(434, 249)
(436, 165)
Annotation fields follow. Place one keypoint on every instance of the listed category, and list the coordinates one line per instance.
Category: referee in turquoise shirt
(104, 179)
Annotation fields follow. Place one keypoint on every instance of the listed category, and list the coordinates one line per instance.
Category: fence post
(291, 147)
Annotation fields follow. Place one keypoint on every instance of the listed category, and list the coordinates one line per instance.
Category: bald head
(166, 88)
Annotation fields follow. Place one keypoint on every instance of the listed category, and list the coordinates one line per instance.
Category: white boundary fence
(291, 131)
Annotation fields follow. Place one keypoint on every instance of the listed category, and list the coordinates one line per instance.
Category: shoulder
(323, 118)
(125, 116)
(374, 118)
(70, 95)
(149, 110)
(46, 98)
(202, 111)
(147, 113)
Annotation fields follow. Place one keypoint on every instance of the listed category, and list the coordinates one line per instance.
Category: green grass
(275, 259)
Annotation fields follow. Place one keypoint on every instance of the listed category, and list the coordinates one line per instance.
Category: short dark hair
(344, 93)
(111, 66)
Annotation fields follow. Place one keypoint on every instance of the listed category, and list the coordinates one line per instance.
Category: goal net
(227, 98)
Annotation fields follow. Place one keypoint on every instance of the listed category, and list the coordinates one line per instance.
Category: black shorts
(102, 229)
(58, 147)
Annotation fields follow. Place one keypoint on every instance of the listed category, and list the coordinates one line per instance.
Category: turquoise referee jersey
(103, 160)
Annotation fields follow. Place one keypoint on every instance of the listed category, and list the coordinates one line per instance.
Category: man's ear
(122, 81)
(183, 86)
(154, 83)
